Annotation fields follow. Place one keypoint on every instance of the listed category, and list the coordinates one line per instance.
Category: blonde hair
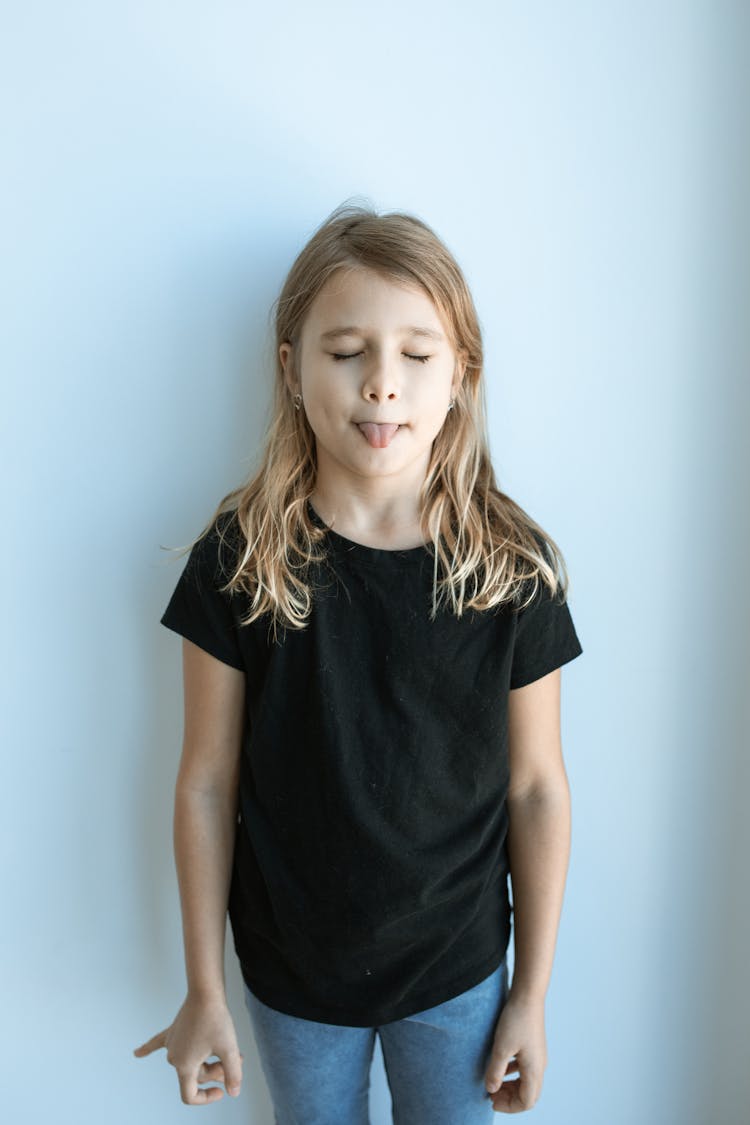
(486, 548)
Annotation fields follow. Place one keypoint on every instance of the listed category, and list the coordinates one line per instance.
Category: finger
(233, 1071)
(152, 1044)
(214, 1072)
(211, 1072)
(517, 1096)
(498, 1068)
(508, 1098)
(192, 1094)
(216, 1067)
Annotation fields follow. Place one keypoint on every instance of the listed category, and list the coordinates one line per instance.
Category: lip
(364, 421)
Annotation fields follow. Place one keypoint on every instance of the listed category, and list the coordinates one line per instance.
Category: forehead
(363, 299)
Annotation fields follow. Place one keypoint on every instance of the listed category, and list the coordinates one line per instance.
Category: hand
(202, 1027)
(519, 1047)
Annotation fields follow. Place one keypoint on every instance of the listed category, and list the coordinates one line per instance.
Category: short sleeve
(198, 610)
(545, 638)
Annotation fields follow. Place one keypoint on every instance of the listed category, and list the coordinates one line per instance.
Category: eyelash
(418, 358)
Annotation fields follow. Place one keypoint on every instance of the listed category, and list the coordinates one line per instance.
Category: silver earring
(297, 401)
(450, 404)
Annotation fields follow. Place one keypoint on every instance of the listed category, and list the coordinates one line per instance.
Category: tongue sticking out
(378, 434)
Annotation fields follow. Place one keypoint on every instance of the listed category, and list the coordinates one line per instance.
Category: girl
(373, 634)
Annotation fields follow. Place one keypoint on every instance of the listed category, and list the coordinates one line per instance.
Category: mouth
(379, 434)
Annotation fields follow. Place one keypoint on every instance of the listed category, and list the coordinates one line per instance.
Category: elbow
(551, 788)
(207, 789)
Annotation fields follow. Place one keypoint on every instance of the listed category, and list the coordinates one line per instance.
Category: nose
(381, 382)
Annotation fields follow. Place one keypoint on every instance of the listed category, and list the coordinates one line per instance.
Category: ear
(285, 355)
(458, 377)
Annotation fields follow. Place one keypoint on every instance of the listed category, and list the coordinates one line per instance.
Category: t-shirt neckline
(364, 553)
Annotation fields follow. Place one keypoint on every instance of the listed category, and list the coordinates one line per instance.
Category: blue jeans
(435, 1060)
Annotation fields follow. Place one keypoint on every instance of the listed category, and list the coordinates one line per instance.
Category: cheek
(330, 422)
(430, 413)
(321, 400)
(331, 396)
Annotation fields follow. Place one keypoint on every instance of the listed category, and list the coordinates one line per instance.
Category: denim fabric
(319, 1074)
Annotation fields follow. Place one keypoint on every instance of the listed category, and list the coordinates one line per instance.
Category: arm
(538, 853)
(538, 830)
(205, 811)
(205, 818)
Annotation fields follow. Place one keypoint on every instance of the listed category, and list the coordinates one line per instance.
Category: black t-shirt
(370, 874)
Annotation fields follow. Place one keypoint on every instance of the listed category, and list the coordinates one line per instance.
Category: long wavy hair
(487, 550)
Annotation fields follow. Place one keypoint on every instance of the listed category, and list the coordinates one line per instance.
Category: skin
(205, 814)
(372, 495)
(538, 851)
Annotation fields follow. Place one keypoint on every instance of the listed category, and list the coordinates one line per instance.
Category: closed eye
(418, 358)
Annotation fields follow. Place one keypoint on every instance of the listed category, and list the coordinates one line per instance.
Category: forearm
(205, 823)
(538, 852)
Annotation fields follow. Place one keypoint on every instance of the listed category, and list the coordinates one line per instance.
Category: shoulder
(540, 573)
(214, 554)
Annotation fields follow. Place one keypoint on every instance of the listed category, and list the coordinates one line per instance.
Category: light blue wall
(162, 165)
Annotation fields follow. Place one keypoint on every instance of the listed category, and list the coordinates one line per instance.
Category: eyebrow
(352, 330)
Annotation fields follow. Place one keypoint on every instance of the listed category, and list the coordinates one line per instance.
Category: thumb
(152, 1044)
(233, 1072)
(497, 1069)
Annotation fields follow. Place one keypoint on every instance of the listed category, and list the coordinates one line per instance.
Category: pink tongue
(378, 434)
